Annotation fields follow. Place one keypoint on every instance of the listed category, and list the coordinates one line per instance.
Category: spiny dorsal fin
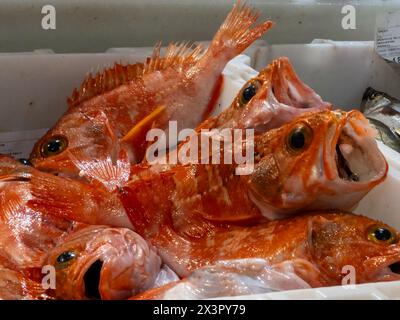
(176, 55)
(105, 81)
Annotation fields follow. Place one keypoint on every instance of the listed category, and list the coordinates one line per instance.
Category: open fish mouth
(357, 158)
(395, 267)
(343, 167)
(292, 91)
(91, 280)
(389, 270)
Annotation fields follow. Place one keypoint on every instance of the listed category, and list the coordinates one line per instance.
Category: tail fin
(235, 33)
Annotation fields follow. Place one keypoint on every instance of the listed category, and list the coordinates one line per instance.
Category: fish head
(98, 262)
(322, 160)
(345, 245)
(272, 98)
(77, 137)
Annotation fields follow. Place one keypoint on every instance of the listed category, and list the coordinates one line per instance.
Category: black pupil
(297, 139)
(53, 145)
(249, 92)
(25, 161)
(65, 257)
(382, 234)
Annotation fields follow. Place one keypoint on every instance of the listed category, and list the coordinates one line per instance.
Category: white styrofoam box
(95, 25)
(369, 291)
(382, 202)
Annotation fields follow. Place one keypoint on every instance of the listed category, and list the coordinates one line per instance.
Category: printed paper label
(387, 37)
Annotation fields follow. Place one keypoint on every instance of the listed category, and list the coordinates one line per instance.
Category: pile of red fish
(91, 217)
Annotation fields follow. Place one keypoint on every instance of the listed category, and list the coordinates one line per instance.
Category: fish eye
(299, 137)
(53, 146)
(381, 234)
(248, 92)
(65, 257)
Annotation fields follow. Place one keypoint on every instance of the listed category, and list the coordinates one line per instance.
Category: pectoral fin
(143, 125)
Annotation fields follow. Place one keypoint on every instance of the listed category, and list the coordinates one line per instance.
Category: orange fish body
(274, 97)
(53, 202)
(315, 247)
(177, 86)
(322, 160)
(99, 262)
(90, 261)
(26, 235)
(298, 167)
(14, 285)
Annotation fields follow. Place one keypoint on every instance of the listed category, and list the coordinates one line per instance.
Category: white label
(387, 37)
(19, 144)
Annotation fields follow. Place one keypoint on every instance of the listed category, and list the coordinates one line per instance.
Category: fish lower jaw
(386, 274)
(268, 211)
(356, 160)
(388, 271)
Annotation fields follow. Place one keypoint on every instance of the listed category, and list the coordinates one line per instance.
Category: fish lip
(374, 155)
(287, 73)
(277, 111)
(383, 270)
(52, 166)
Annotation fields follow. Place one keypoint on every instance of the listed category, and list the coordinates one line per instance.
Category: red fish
(318, 248)
(274, 97)
(90, 261)
(112, 111)
(99, 262)
(320, 160)
(32, 200)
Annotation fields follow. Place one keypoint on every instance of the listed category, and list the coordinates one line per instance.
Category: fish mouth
(91, 280)
(356, 156)
(395, 267)
(292, 91)
(389, 270)
(343, 167)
